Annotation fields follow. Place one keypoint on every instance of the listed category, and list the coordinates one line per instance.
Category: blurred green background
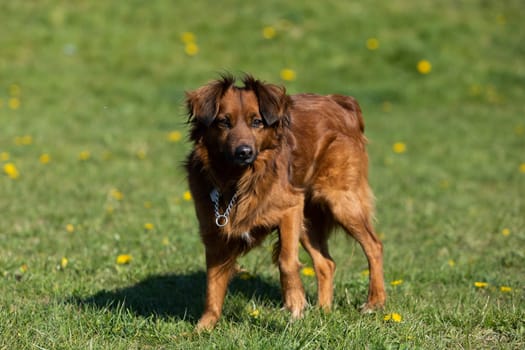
(92, 136)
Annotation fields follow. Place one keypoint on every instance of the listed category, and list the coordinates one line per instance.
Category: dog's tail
(351, 105)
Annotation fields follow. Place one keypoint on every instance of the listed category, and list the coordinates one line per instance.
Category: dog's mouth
(244, 163)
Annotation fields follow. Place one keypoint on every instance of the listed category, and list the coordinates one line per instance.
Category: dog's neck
(225, 179)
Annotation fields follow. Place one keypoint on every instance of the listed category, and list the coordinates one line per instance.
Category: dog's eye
(224, 123)
(257, 123)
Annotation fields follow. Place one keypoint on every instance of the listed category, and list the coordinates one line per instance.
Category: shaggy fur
(296, 165)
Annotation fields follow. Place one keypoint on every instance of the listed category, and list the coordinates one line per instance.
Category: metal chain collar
(221, 220)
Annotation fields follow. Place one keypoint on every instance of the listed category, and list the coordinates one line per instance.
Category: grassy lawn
(99, 246)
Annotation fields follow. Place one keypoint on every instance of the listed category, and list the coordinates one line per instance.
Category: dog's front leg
(292, 288)
(220, 263)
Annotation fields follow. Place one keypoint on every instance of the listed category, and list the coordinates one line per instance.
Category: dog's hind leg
(315, 241)
(353, 212)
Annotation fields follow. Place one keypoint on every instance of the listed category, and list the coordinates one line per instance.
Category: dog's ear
(273, 101)
(203, 103)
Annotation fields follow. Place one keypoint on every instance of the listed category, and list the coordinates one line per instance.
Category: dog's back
(330, 144)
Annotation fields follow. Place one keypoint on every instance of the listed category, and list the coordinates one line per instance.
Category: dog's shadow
(178, 296)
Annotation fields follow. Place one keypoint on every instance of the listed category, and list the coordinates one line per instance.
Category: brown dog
(264, 161)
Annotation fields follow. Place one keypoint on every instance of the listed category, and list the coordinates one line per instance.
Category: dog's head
(237, 123)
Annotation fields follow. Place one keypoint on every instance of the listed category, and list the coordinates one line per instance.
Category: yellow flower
(505, 232)
(399, 147)
(308, 271)
(63, 262)
(254, 312)
(44, 158)
(372, 44)
(395, 317)
(191, 49)
(165, 241)
(288, 74)
(24, 268)
(396, 282)
(4, 156)
(269, 32)
(451, 263)
(174, 136)
(475, 90)
(70, 228)
(13, 103)
(187, 196)
(501, 19)
(84, 155)
(522, 168)
(505, 289)
(444, 184)
(481, 284)
(187, 37)
(149, 226)
(124, 259)
(23, 140)
(116, 194)
(11, 171)
(424, 67)
(141, 154)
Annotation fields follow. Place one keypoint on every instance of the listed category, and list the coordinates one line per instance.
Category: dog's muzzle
(244, 155)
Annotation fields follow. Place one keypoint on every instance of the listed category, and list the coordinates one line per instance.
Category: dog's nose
(244, 154)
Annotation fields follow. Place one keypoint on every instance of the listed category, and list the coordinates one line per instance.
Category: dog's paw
(369, 308)
(296, 306)
(296, 314)
(206, 323)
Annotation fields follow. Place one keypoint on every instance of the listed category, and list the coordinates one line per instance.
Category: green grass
(109, 78)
